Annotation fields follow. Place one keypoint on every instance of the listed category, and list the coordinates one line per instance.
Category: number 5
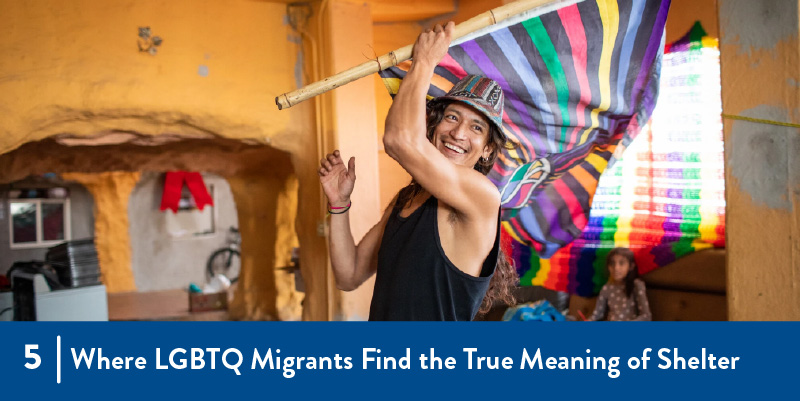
(32, 355)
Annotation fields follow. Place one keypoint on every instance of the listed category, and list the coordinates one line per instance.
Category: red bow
(173, 185)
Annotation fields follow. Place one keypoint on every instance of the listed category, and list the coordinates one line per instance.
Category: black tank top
(416, 281)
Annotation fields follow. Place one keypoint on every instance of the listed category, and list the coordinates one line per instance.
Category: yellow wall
(67, 62)
(267, 239)
(352, 129)
(760, 60)
(111, 192)
(73, 70)
(684, 13)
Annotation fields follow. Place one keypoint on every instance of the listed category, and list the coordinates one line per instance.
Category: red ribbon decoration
(173, 185)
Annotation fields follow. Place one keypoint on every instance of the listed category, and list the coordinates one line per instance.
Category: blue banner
(159, 360)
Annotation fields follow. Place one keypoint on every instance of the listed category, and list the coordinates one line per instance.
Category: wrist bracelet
(339, 210)
(342, 207)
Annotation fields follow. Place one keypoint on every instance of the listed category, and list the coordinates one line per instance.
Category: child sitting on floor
(623, 297)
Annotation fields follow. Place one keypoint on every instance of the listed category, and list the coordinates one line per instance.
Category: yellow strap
(760, 121)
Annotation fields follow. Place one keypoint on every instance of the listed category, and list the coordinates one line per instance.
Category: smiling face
(463, 135)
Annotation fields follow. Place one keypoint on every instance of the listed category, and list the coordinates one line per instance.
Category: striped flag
(665, 198)
(580, 81)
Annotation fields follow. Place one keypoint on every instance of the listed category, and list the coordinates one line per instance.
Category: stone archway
(261, 178)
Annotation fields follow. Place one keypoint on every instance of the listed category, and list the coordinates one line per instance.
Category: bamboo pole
(402, 54)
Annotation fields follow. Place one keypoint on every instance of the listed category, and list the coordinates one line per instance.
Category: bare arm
(352, 264)
(460, 187)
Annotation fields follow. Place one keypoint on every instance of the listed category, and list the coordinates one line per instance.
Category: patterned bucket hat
(483, 94)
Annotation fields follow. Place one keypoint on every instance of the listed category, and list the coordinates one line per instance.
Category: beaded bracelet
(339, 210)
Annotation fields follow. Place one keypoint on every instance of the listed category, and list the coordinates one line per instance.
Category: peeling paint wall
(760, 155)
(750, 18)
(760, 61)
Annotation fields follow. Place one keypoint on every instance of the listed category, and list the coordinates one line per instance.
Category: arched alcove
(261, 180)
(170, 249)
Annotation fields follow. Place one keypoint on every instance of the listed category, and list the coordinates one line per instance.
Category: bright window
(38, 223)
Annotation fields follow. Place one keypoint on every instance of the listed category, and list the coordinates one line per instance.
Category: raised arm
(459, 186)
(352, 264)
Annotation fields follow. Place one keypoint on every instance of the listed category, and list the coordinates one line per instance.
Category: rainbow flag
(580, 82)
(666, 197)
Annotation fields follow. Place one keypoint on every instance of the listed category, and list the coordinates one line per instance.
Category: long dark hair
(633, 272)
(505, 277)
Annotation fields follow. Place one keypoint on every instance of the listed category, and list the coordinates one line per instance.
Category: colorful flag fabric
(579, 82)
(665, 197)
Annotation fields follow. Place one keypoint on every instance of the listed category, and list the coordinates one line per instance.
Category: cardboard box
(199, 302)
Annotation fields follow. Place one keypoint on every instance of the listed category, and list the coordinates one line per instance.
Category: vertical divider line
(58, 359)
